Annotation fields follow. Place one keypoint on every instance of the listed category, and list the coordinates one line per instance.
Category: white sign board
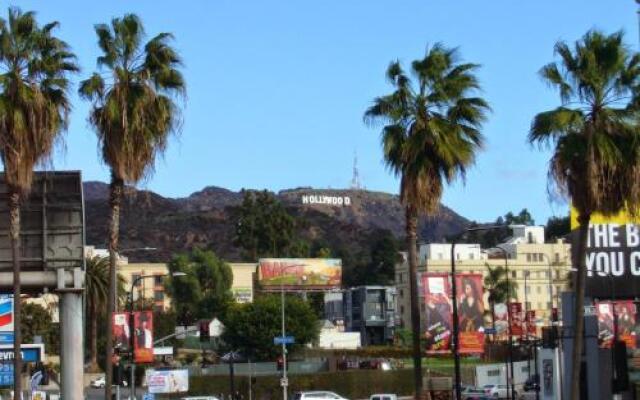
(163, 351)
(167, 381)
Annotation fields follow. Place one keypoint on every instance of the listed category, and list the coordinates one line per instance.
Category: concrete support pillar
(72, 345)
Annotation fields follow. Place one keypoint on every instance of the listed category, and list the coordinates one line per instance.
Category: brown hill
(203, 219)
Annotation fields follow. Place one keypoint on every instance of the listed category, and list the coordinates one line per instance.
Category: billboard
(532, 329)
(6, 313)
(437, 295)
(515, 319)
(625, 313)
(613, 255)
(470, 313)
(143, 337)
(300, 273)
(502, 319)
(167, 381)
(120, 328)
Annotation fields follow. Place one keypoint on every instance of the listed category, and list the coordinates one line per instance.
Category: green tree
(250, 328)
(264, 228)
(205, 291)
(557, 227)
(594, 137)
(133, 114)
(37, 321)
(34, 107)
(499, 287)
(430, 137)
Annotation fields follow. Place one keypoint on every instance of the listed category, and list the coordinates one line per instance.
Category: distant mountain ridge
(204, 219)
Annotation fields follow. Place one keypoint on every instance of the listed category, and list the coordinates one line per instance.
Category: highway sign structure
(284, 340)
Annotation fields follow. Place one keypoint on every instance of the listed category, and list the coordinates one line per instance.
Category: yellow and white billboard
(300, 273)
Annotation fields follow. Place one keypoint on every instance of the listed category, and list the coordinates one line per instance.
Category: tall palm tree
(34, 107)
(500, 288)
(134, 113)
(430, 137)
(595, 142)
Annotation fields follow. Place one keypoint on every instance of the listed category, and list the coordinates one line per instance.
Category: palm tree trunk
(412, 227)
(93, 337)
(116, 188)
(578, 323)
(14, 229)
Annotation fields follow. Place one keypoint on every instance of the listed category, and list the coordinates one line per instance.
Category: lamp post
(285, 381)
(132, 380)
(454, 296)
(506, 266)
(115, 276)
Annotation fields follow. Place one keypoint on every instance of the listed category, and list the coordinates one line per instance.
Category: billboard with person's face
(143, 337)
(120, 328)
(623, 316)
(470, 313)
(300, 273)
(437, 297)
(515, 319)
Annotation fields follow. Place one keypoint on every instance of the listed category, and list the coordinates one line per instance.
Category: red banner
(437, 294)
(532, 329)
(470, 313)
(143, 337)
(625, 312)
(120, 328)
(515, 319)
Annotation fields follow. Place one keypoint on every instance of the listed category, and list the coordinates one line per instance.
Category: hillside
(203, 219)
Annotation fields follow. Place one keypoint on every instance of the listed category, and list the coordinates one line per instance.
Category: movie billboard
(470, 313)
(167, 381)
(613, 255)
(120, 328)
(515, 319)
(143, 337)
(300, 273)
(626, 321)
(438, 310)
(532, 329)
(501, 314)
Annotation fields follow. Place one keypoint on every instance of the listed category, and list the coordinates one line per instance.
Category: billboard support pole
(72, 354)
(456, 328)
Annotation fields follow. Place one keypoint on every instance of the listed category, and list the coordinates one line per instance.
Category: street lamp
(115, 276)
(284, 382)
(506, 267)
(134, 282)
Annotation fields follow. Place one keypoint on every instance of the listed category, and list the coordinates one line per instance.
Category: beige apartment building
(541, 270)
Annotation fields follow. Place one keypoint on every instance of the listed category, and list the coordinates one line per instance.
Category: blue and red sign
(6, 313)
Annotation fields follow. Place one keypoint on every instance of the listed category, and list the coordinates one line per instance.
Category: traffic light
(204, 331)
(280, 364)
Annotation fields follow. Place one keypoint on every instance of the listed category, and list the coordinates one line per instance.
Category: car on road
(317, 395)
(99, 382)
(532, 384)
(473, 393)
(385, 396)
(498, 391)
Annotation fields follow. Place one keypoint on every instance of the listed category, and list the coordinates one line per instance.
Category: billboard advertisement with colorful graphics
(300, 273)
(613, 255)
(437, 295)
(120, 326)
(167, 381)
(470, 313)
(625, 312)
(143, 337)
(515, 319)
(532, 329)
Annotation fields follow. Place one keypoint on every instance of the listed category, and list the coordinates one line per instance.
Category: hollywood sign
(328, 200)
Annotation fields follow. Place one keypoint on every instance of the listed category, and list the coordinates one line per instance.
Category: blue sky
(277, 89)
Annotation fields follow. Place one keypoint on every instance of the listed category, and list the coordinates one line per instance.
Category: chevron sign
(6, 313)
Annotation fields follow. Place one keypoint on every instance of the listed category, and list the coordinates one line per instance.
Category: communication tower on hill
(355, 180)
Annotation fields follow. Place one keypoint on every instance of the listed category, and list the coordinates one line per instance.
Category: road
(98, 394)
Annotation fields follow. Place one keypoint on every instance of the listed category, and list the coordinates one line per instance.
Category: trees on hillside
(34, 106)
(594, 137)
(430, 137)
(133, 114)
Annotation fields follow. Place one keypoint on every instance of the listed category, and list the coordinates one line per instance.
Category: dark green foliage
(205, 291)
(499, 288)
(164, 323)
(375, 265)
(492, 237)
(250, 328)
(264, 228)
(557, 227)
(36, 321)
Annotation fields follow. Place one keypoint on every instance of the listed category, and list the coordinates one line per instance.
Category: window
(557, 274)
(401, 293)
(546, 274)
(158, 295)
(527, 289)
(514, 274)
(528, 257)
(158, 280)
(538, 290)
(493, 372)
(401, 309)
(549, 305)
(135, 277)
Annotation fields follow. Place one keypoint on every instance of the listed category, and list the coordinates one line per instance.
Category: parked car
(385, 396)
(317, 395)
(473, 393)
(498, 391)
(99, 382)
(532, 384)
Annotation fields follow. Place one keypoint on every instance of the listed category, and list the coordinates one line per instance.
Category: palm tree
(134, 113)
(34, 107)
(430, 137)
(594, 137)
(500, 288)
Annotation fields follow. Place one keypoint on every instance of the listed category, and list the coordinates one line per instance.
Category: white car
(383, 397)
(499, 391)
(100, 382)
(317, 395)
